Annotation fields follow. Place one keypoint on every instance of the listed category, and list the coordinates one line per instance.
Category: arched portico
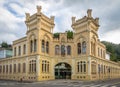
(62, 71)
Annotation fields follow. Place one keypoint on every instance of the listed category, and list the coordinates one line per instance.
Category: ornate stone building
(41, 56)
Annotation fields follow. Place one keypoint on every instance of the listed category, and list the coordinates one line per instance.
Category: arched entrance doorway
(62, 71)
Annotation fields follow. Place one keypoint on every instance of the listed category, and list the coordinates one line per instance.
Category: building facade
(5, 52)
(41, 56)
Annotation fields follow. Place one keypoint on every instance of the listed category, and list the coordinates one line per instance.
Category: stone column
(27, 68)
(89, 67)
(37, 67)
(52, 68)
(73, 71)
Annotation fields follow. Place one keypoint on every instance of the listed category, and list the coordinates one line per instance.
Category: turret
(86, 22)
(39, 21)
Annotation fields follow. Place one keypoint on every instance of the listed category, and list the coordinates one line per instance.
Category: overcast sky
(12, 16)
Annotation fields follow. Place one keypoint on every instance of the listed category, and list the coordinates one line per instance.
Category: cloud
(112, 36)
(10, 24)
(13, 16)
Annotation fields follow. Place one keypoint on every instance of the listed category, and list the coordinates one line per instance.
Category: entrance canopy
(62, 71)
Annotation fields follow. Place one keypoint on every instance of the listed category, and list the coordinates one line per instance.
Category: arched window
(79, 48)
(43, 46)
(81, 66)
(32, 66)
(78, 66)
(47, 47)
(31, 46)
(84, 64)
(57, 50)
(45, 66)
(83, 47)
(98, 52)
(93, 48)
(93, 67)
(68, 50)
(35, 45)
(62, 50)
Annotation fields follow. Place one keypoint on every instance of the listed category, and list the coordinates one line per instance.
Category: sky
(12, 16)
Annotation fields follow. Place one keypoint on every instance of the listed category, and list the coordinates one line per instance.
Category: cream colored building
(41, 56)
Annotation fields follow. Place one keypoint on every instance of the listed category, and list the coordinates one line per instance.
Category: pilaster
(38, 67)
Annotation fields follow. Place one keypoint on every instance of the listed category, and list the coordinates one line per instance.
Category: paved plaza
(62, 83)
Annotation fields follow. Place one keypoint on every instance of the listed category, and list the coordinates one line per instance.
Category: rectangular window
(104, 69)
(78, 67)
(15, 51)
(35, 45)
(24, 49)
(14, 68)
(24, 67)
(101, 53)
(47, 47)
(48, 66)
(98, 52)
(19, 68)
(84, 67)
(31, 46)
(6, 68)
(68, 50)
(43, 46)
(3, 68)
(42, 66)
(0, 68)
(10, 68)
(19, 50)
(34, 65)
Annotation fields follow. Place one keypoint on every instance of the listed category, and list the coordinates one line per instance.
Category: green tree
(4, 45)
(69, 34)
(56, 35)
(114, 49)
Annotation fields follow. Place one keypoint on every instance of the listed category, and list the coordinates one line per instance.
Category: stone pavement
(62, 83)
